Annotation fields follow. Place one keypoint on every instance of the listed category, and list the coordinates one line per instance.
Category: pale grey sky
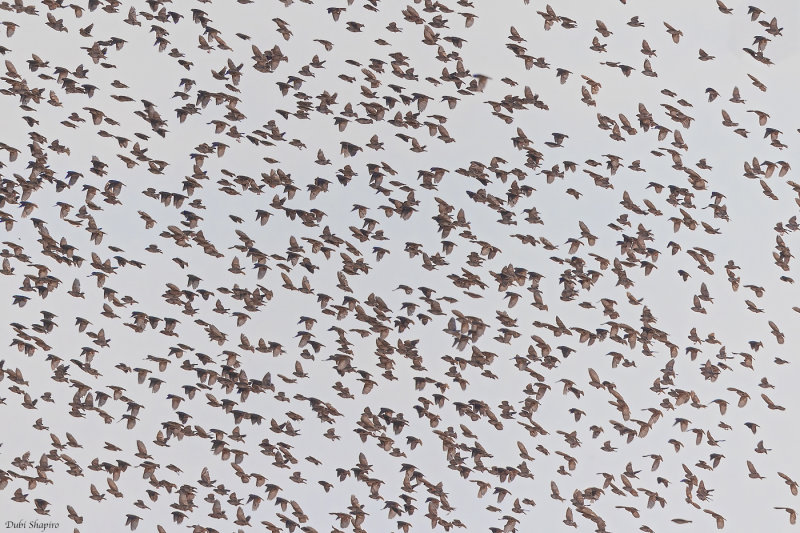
(748, 238)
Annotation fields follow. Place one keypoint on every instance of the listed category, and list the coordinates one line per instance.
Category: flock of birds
(257, 279)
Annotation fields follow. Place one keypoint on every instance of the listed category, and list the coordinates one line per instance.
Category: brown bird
(789, 482)
(792, 514)
(753, 472)
(676, 34)
(40, 506)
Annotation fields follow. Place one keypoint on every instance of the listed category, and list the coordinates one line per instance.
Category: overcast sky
(725, 217)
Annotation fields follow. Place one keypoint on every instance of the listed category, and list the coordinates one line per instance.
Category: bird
(753, 472)
(790, 483)
(41, 506)
(675, 34)
(792, 514)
